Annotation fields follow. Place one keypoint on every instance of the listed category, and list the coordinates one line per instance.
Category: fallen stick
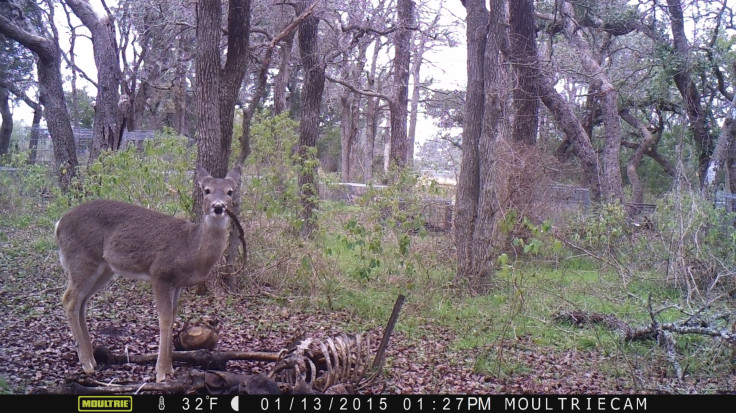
(208, 359)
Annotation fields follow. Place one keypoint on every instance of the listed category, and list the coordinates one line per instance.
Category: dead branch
(196, 382)
(380, 356)
(647, 332)
(650, 331)
(582, 318)
(202, 358)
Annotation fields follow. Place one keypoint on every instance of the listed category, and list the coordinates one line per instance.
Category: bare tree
(523, 54)
(398, 105)
(477, 207)
(372, 114)
(217, 87)
(684, 81)
(601, 84)
(6, 118)
(286, 35)
(107, 131)
(51, 91)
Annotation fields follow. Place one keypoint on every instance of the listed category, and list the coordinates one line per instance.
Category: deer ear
(234, 174)
(202, 174)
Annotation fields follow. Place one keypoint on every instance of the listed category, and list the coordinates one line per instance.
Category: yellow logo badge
(105, 403)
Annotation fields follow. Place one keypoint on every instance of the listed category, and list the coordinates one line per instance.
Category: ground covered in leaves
(38, 355)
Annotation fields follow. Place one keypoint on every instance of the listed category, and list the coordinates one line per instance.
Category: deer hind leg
(80, 288)
(166, 303)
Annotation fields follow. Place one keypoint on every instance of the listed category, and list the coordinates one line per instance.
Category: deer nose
(219, 208)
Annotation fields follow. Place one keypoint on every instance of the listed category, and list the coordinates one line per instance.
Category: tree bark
(398, 104)
(477, 205)
(217, 84)
(314, 83)
(689, 91)
(416, 68)
(109, 77)
(6, 129)
(523, 53)
(718, 159)
(647, 144)
(51, 96)
(600, 83)
(371, 117)
(217, 88)
(281, 83)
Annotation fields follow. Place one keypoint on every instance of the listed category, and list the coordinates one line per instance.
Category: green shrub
(158, 176)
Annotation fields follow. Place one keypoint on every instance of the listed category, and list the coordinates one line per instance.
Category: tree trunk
(730, 185)
(612, 182)
(238, 37)
(35, 134)
(416, 68)
(371, 118)
(281, 81)
(108, 118)
(564, 115)
(218, 85)
(523, 53)
(51, 96)
(718, 159)
(311, 98)
(35, 123)
(217, 88)
(212, 150)
(689, 91)
(346, 135)
(398, 104)
(562, 111)
(647, 143)
(6, 130)
(476, 207)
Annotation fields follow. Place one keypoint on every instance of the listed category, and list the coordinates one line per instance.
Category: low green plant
(271, 174)
(157, 176)
(605, 228)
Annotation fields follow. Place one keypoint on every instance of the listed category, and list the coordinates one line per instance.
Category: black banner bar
(367, 404)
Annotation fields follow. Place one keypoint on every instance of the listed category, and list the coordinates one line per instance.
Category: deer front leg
(165, 303)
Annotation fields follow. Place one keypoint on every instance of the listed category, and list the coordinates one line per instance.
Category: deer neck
(210, 239)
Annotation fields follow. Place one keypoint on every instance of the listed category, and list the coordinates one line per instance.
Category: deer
(102, 238)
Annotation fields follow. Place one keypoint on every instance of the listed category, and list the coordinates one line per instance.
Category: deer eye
(230, 192)
(207, 191)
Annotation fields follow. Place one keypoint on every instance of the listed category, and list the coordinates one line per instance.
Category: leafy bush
(271, 173)
(158, 175)
(604, 229)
